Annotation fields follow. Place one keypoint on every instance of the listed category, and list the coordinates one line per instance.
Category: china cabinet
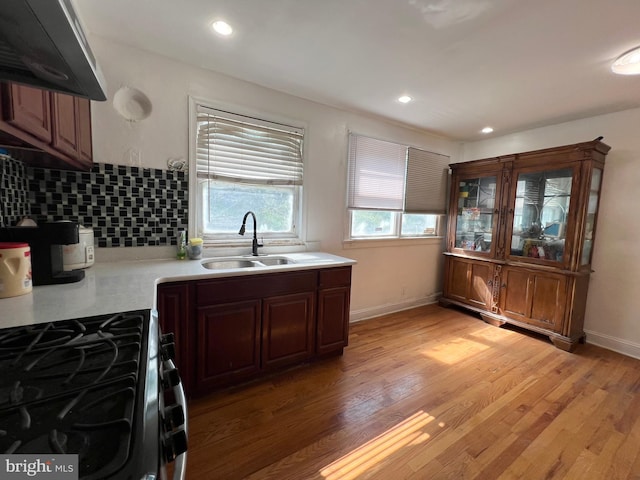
(520, 238)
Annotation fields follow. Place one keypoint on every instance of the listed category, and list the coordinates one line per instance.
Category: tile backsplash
(14, 191)
(126, 206)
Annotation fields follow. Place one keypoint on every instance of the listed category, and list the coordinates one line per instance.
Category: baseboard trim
(379, 310)
(625, 347)
(616, 344)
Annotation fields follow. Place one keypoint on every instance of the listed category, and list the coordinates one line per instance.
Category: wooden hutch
(520, 238)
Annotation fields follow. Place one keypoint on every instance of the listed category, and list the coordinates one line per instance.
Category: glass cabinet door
(592, 210)
(540, 214)
(475, 216)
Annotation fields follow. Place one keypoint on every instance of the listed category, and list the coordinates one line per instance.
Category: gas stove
(93, 387)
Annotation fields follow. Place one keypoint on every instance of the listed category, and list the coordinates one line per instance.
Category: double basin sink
(226, 263)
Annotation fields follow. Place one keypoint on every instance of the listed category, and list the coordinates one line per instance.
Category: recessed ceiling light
(405, 99)
(222, 27)
(628, 63)
(487, 130)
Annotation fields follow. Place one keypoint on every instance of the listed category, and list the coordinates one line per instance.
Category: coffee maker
(45, 242)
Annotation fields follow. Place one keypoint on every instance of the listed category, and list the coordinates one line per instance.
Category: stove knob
(173, 417)
(167, 338)
(168, 346)
(174, 444)
(167, 351)
(170, 378)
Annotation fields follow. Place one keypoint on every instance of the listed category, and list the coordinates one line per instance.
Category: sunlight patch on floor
(455, 351)
(358, 461)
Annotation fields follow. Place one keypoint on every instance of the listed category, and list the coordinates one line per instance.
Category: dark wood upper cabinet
(65, 132)
(29, 110)
(83, 125)
(46, 129)
(520, 237)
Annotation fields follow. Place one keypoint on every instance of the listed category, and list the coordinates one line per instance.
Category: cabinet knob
(167, 338)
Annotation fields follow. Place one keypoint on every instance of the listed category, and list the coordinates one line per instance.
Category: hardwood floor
(429, 393)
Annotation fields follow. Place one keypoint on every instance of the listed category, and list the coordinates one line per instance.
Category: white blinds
(389, 176)
(376, 174)
(243, 149)
(426, 190)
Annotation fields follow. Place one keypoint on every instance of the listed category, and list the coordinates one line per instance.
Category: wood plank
(428, 393)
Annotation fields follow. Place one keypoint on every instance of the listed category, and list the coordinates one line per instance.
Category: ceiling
(510, 64)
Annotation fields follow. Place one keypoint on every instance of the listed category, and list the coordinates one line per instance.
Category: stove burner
(17, 393)
(71, 387)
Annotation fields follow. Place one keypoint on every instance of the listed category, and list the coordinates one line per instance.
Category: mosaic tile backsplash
(14, 191)
(126, 206)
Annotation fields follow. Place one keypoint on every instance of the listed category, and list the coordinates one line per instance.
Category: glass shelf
(474, 225)
(540, 214)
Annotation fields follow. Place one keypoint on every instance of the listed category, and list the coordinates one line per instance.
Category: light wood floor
(430, 393)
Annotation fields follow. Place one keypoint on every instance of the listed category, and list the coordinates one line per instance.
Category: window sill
(228, 247)
(391, 242)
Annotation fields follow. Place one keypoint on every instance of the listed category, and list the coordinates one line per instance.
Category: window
(394, 191)
(246, 164)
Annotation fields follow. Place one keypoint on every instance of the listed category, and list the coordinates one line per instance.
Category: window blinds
(376, 174)
(236, 148)
(426, 189)
(389, 176)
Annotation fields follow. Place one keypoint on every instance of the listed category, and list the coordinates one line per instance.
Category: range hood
(42, 44)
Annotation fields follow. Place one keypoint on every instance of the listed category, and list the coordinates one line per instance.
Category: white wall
(386, 278)
(614, 292)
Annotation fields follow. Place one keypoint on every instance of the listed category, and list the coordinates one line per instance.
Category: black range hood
(42, 44)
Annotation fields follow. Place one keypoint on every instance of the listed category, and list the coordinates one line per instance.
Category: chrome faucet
(255, 244)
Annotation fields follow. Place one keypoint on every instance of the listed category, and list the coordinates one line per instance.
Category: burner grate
(73, 387)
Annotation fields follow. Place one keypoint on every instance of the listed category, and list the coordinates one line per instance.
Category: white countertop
(122, 286)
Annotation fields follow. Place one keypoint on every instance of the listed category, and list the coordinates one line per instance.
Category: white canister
(15, 269)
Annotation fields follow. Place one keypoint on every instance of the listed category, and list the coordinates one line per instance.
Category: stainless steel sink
(228, 263)
(246, 262)
(268, 261)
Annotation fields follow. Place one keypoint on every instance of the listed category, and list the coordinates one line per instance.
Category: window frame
(398, 216)
(224, 238)
(196, 203)
(397, 228)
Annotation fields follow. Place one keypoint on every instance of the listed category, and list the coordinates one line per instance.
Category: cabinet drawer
(221, 290)
(335, 277)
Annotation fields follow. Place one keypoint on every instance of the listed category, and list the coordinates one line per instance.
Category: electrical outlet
(134, 157)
